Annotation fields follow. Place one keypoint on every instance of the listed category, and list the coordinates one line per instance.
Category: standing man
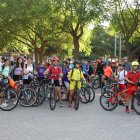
(2, 61)
(128, 66)
(100, 70)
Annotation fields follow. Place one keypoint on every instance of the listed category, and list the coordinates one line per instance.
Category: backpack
(12, 72)
(73, 71)
(52, 68)
(3, 69)
(131, 72)
(124, 73)
(26, 67)
(90, 70)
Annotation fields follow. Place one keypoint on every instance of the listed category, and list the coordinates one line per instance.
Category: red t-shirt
(134, 76)
(54, 72)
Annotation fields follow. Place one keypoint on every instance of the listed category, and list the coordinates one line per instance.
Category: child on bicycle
(74, 74)
(121, 76)
(132, 77)
(55, 70)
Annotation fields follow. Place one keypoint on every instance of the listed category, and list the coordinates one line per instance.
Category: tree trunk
(128, 50)
(76, 46)
(36, 58)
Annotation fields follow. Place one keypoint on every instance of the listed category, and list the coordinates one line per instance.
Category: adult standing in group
(128, 66)
(2, 61)
(100, 70)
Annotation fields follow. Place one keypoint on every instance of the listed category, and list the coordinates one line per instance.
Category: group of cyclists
(126, 71)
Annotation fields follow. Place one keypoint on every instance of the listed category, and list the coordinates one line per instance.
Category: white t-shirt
(1, 64)
(122, 74)
(27, 70)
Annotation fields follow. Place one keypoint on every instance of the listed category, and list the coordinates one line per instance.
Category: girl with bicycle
(5, 71)
(74, 74)
(55, 70)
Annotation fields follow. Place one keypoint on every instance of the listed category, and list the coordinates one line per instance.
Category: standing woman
(50, 62)
(28, 69)
(5, 71)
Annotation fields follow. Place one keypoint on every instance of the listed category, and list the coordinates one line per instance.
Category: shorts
(66, 84)
(121, 87)
(73, 84)
(130, 86)
(26, 81)
(85, 76)
(56, 83)
(138, 84)
(106, 78)
(16, 77)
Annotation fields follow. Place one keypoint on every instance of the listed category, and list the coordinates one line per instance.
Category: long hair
(48, 62)
(43, 61)
(17, 64)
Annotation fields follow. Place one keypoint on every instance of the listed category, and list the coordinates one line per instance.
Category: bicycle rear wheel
(76, 99)
(136, 103)
(91, 92)
(95, 84)
(106, 88)
(53, 98)
(10, 98)
(27, 96)
(84, 95)
(105, 104)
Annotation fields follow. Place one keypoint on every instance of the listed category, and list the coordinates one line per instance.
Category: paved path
(90, 122)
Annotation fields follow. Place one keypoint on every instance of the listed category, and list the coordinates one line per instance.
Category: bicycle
(113, 99)
(8, 95)
(95, 81)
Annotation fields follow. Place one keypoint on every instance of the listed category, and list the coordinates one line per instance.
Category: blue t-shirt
(85, 68)
(64, 70)
(41, 70)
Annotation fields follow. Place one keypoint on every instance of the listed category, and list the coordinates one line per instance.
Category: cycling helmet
(30, 77)
(121, 64)
(135, 63)
(136, 60)
(3, 58)
(126, 58)
(76, 62)
(100, 58)
(71, 66)
(56, 59)
(103, 63)
(2, 83)
(65, 62)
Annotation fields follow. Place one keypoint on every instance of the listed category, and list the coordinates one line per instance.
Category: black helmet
(3, 58)
(65, 62)
(76, 62)
(121, 64)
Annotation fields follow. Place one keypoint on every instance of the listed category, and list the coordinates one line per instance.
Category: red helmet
(56, 59)
(136, 60)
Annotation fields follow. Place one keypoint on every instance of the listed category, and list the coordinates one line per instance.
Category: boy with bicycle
(132, 77)
(74, 74)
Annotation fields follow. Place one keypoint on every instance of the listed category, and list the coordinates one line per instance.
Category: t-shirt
(5, 72)
(64, 69)
(1, 64)
(41, 70)
(107, 71)
(122, 74)
(134, 76)
(85, 68)
(127, 66)
(76, 74)
(54, 72)
(65, 78)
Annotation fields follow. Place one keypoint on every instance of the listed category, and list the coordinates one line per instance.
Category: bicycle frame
(119, 93)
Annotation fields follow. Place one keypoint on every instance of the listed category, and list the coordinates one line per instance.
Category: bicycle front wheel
(53, 98)
(136, 103)
(8, 100)
(76, 99)
(105, 104)
(27, 96)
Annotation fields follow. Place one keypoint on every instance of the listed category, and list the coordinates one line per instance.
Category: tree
(126, 19)
(77, 14)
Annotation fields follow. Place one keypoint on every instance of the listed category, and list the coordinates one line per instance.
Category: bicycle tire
(40, 96)
(82, 96)
(53, 98)
(107, 96)
(95, 84)
(104, 88)
(135, 103)
(92, 92)
(26, 97)
(76, 99)
(11, 96)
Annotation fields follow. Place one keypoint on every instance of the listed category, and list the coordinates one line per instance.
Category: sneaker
(127, 110)
(6, 105)
(124, 102)
(61, 104)
(15, 102)
(70, 105)
(132, 109)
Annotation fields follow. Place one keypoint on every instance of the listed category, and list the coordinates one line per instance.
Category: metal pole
(115, 46)
(120, 50)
